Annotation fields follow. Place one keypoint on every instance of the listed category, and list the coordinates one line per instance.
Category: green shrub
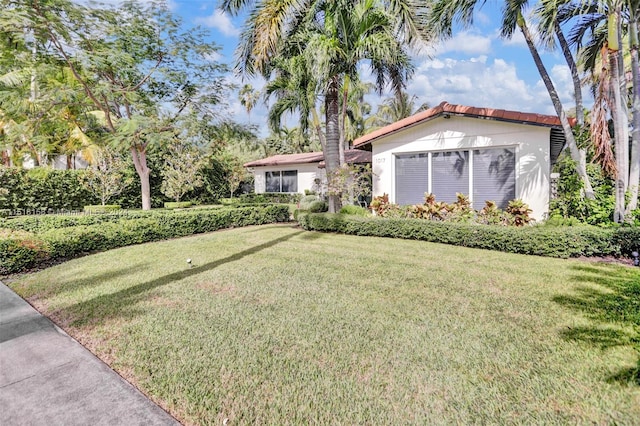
(318, 206)
(534, 240)
(98, 208)
(355, 210)
(177, 204)
(307, 200)
(270, 197)
(20, 250)
(59, 237)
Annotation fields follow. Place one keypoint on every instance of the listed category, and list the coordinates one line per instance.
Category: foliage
(306, 201)
(270, 197)
(350, 181)
(177, 205)
(22, 249)
(516, 214)
(318, 206)
(43, 189)
(102, 208)
(354, 210)
(570, 202)
(181, 171)
(535, 240)
(106, 177)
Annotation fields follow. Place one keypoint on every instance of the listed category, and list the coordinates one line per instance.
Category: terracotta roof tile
(462, 110)
(352, 156)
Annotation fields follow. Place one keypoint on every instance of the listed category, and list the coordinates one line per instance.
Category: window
(494, 176)
(450, 174)
(488, 173)
(284, 181)
(412, 178)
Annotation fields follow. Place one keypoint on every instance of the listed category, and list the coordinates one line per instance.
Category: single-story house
(487, 154)
(297, 172)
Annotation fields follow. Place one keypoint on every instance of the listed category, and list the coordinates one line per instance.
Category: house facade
(295, 173)
(484, 153)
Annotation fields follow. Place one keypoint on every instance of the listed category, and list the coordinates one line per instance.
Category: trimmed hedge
(99, 208)
(21, 250)
(562, 242)
(177, 204)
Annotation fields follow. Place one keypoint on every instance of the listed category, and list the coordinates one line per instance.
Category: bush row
(535, 240)
(20, 250)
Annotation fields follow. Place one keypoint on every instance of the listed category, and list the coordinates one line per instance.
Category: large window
(485, 175)
(282, 181)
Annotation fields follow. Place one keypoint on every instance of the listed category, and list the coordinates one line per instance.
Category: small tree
(107, 176)
(350, 182)
(181, 172)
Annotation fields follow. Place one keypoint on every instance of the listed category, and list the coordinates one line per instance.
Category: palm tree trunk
(578, 156)
(332, 140)
(620, 118)
(634, 168)
(577, 87)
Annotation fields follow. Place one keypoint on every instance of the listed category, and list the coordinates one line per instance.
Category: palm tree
(444, 12)
(395, 108)
(248, 98)
(598, 35)
(337, 36)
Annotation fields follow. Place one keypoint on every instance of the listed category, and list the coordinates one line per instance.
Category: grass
(274, 325)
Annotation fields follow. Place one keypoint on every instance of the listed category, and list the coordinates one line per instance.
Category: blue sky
(475, 67)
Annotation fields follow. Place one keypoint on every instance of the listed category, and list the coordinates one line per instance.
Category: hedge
(21, 250)
(561, 242)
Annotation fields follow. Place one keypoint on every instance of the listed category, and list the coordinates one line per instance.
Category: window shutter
(412, 178)
(494, 176)
(450, 174)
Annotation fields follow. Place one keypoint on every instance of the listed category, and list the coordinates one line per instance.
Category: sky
(476, 67)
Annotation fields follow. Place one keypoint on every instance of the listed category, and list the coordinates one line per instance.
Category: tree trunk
(578, 155)
(634, 170)
(577, 87)
(332, 138)
(619, 117)
(139, 157)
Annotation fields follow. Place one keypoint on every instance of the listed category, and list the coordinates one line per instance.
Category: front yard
(275, 325)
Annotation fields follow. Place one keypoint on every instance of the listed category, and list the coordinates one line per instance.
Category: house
(487, 154)
(297, 172)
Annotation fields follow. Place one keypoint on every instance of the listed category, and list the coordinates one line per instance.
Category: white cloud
(475, 82)
(220, 21)
(465, 42)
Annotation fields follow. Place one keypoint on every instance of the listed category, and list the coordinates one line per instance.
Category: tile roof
(351, 156)
(462, 111)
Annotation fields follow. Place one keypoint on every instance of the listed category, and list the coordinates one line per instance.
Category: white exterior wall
(456, 133)
(307, 173)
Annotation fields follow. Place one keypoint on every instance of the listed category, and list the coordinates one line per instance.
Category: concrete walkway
(47, 378)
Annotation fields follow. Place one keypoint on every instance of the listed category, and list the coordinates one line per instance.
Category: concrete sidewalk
(47, 378)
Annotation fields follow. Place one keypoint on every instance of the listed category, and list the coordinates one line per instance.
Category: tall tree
(248, 98)
(337, 35)
(135, 64)
(445, 12)
(395, 108)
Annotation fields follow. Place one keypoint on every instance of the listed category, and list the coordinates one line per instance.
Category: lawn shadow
(115, 304)
(610, 297)
(79, 282)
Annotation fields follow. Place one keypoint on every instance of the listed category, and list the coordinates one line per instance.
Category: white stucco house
(295, 173)
(487, 154)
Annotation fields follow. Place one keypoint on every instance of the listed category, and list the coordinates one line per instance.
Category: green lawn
(275, 325)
